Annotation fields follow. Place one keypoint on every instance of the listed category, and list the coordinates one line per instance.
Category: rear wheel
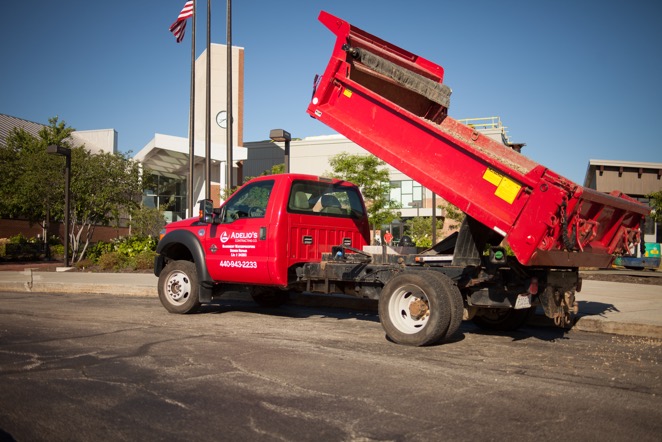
(502, 319)
(414, 309)
(178, 287)
(456, 303)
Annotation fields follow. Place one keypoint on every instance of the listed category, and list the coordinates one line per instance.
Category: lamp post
(281, 135)
(66, 153)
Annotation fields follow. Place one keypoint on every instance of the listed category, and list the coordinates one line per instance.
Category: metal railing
(487, 123)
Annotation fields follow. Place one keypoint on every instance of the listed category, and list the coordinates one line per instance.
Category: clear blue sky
(574, 79)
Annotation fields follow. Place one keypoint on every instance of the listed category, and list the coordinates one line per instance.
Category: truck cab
(260, 235)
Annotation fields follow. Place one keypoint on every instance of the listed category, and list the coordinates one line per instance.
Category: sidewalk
(604, 307)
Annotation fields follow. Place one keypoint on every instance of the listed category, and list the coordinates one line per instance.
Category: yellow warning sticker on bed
(347, 93)
(492, 177)
(507, 189)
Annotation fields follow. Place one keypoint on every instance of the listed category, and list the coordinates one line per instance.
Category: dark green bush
(131, 246)
(84, 264)
(144, 260)
(95, 250)
(57, 252)
(21, 248)
(123, 254)
(111, 261)
(130, 249)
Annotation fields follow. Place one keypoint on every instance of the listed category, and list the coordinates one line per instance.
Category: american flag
(179, 26)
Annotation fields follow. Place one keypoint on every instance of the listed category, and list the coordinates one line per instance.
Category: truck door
(237, 249)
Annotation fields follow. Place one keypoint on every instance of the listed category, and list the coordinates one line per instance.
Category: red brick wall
(12, 227)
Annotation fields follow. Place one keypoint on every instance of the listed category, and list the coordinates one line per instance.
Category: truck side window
(249, 202)
(325, 199)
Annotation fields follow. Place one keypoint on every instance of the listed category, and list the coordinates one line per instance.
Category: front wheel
(179, 290)
(414, 310)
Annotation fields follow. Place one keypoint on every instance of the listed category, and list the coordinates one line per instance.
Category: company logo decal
(239, 237)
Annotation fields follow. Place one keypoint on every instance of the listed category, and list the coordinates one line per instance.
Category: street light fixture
(280, 135)
(66, 153)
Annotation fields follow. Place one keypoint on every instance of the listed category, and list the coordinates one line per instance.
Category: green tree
(275, 169)
(370, 174)
(420, 230)
(147, 222)
(453, 214)
(656, 204)
(102, 186)
(31, 179)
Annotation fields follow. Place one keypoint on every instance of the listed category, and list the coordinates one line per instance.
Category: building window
(406, 193)
(169, 195)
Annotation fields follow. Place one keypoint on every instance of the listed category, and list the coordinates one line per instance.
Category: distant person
(388, 238)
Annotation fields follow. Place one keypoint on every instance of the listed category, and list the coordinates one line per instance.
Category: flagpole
(208, 108)
(229, 93)
(191, 121)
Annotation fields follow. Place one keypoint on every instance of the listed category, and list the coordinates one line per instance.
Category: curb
(593, 324)
(596, 324)
(35, 286)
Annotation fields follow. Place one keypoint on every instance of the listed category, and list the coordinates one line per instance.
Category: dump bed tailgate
(393, 103)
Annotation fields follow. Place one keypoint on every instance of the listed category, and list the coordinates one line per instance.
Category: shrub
(131, 246)
(18, 239)
(124, 253)
(128, 265)
(21, 248)
(84, 264)
(95, 251)
(128, 247)
(145, 260)
(111, 261)
(57, 252)
(3, 242)
(147, 221)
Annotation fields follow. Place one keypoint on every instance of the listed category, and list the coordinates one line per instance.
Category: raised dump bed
(394, 104)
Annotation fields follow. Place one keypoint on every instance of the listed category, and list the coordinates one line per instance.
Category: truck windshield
(326, 199)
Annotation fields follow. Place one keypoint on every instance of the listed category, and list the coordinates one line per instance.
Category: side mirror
(206, 211)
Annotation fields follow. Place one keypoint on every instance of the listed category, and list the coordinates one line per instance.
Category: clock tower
(220, 117)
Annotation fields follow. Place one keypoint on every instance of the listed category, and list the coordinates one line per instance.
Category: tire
(179, 290)
(502, 319)
(456, 303)
(269, 297)
(414, 309)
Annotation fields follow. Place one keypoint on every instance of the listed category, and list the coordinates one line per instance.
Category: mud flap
(205, 293)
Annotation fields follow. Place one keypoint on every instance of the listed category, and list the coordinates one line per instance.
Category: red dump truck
(293, 232)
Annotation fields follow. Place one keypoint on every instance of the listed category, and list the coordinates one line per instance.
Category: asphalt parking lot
(97, 367)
